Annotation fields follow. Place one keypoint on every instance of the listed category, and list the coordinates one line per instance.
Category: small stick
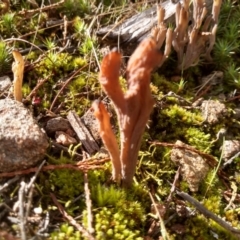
(72, 221)
(208, 214)
(39, 84)
(22, 219)
(233, 197)
(64, 85)
(30, 187)
(162, 224)
(8, 183)
(174, 185)
(211, 160)
(88, 204)
(41, 9)
(65, 25)
(81, 166)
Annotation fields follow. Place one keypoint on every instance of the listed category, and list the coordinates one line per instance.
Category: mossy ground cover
(62, 56)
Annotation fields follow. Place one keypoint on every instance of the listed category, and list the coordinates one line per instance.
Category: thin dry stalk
(88, 204)
(21, 213)
(209, 214)
(71, 220)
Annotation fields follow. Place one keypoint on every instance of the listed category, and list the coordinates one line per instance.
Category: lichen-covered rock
(57, 124)
(230, 148)
(193, 167)
(22, 142)
(213, 111)
(5, 83)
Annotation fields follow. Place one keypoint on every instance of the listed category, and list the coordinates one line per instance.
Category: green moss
(198, 139)
(226, 50)
(213, 204)
(179, 114)
(124, 223)
(66, 182)
(8, 22)
(72, 8)
(25, 90)
(5, 58)
(163, 84)
(79, 62)
(66, 232)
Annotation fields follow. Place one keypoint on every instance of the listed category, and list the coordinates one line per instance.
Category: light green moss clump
(66, 232)
(198, 139)
(178, 114)
(117, 215)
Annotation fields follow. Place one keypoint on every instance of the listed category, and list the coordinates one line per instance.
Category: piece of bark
(83, 133)
(138, 27)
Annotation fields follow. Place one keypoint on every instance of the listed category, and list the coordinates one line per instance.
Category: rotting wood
(83, 133)
(138, 27)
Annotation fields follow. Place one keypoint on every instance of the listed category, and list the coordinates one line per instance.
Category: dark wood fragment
(138, 27)
(83, 133)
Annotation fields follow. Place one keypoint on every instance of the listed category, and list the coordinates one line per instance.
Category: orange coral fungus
(133, 107)
(108, 137)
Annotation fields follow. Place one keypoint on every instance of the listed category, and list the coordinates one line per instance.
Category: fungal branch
(133, 107)
(199, 38)
(18, 69)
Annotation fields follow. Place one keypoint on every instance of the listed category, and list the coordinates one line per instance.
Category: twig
(172, 94)
(21, 216)
(33, 179)
(45, 224)
(211, 160)
(64, 85)
(81, 166)
(233, 197)
(49, 7)
(162, 224)
(25, 41)
(8, 183)
(30, 188)
(39, 84)
(229, 161)
(65, 30)
(173, 188)
(208, 214)
(65, 149)
(71, 219)
(88, 204)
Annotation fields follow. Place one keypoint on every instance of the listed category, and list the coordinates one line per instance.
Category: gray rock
(57, 124)
(230, 148)
(22, 142)
(193, 167)
(5, 83)
(213, 111)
